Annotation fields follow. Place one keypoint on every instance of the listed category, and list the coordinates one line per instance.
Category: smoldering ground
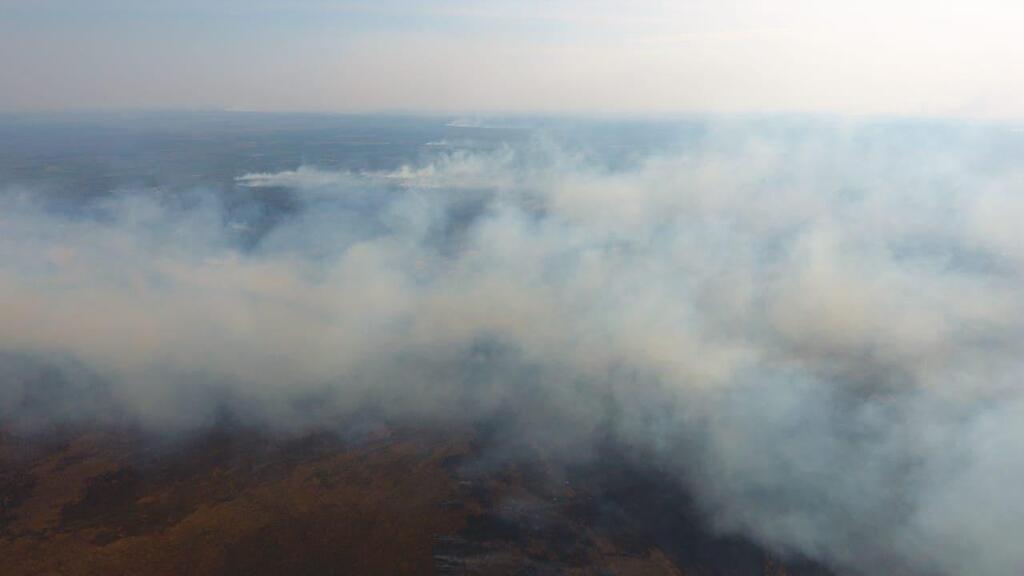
(817, 332)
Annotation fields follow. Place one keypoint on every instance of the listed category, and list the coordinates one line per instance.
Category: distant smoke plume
(821, 337)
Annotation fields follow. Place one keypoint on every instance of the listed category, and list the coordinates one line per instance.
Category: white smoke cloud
(302, 177)
(819, 341)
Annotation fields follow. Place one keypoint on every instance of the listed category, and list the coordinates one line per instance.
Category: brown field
(234, 501)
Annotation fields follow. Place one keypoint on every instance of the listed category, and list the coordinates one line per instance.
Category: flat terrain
(233, 501)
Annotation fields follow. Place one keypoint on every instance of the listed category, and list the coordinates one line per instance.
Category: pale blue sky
(902, 57)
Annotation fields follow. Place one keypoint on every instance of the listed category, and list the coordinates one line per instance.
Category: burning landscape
(240, 343)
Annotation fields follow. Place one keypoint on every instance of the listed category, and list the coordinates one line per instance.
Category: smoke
(818, 333)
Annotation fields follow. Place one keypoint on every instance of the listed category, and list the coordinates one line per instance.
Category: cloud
(821, 343)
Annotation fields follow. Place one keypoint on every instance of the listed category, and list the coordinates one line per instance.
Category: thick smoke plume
(817, 334)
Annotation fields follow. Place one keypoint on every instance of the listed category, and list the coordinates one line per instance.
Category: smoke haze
(818, 331)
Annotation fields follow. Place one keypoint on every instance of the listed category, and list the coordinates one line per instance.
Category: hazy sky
(903, 57)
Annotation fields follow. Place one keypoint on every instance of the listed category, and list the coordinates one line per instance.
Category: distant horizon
(610, 116)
